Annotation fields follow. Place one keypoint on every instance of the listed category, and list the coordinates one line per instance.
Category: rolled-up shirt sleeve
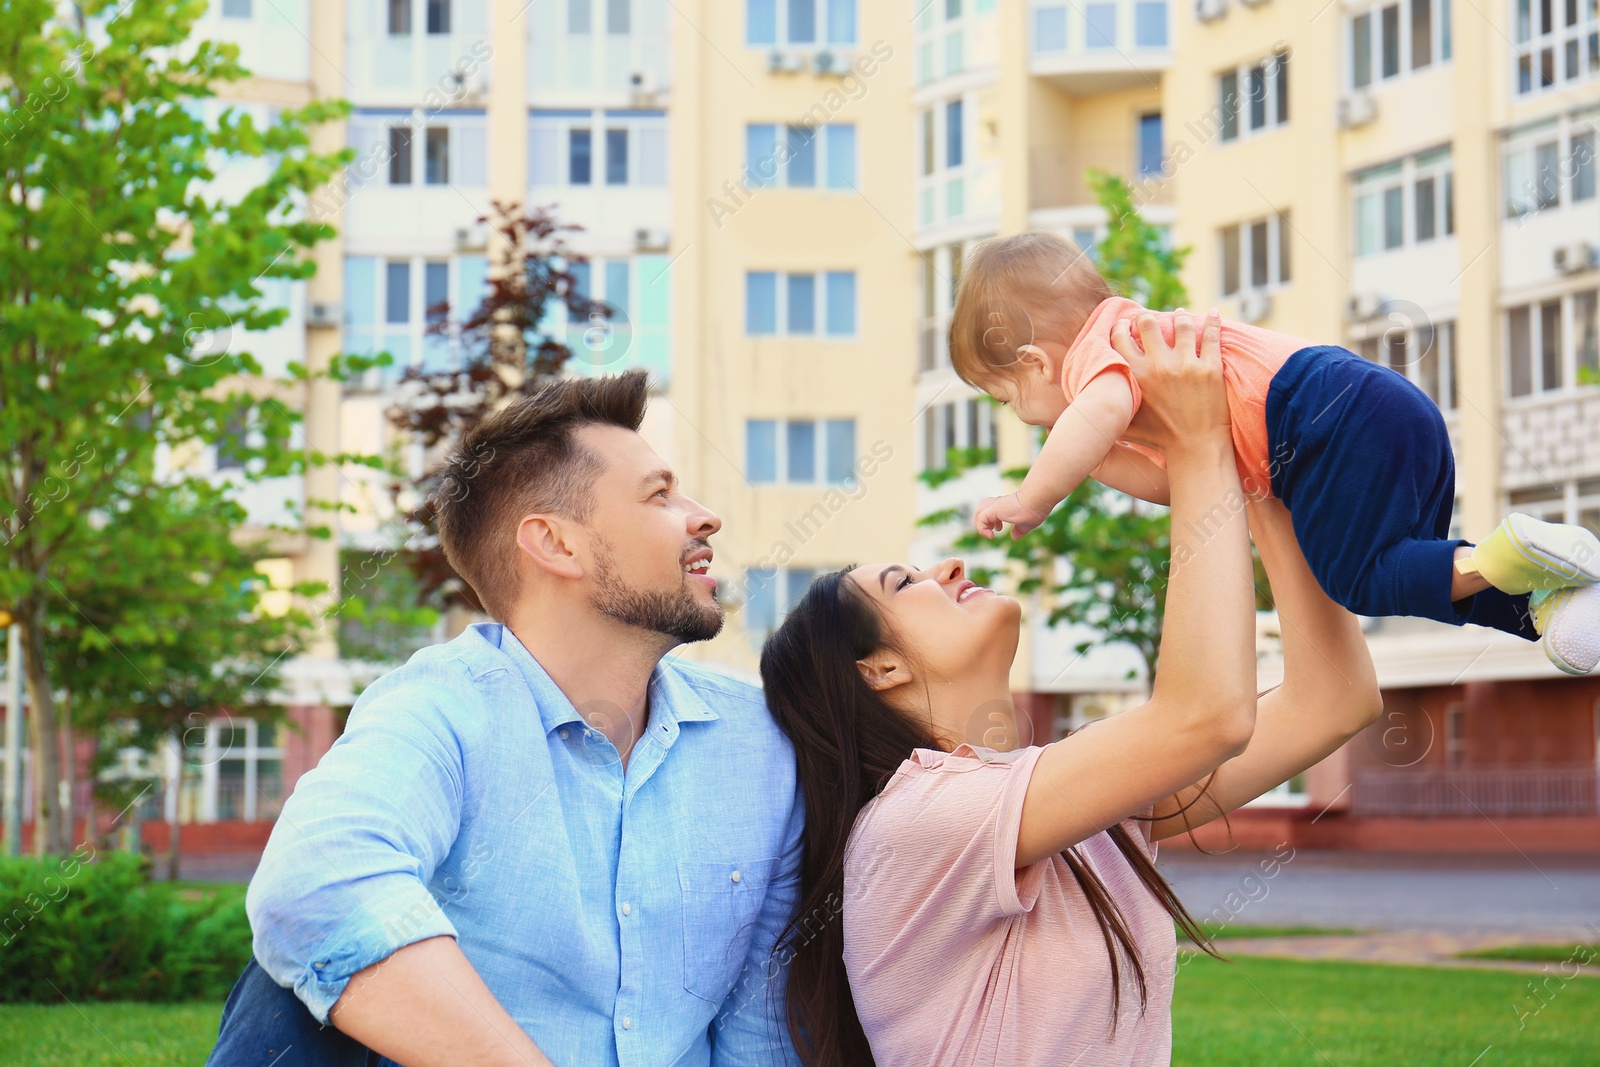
(343, 882)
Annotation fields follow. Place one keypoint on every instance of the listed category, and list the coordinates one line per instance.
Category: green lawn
(1576, 954)
(1267, 1011)
(1240, 1014)
(1218, 931)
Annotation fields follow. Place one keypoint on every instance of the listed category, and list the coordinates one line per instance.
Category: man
(541, 842)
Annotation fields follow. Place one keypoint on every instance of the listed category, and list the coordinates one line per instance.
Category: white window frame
(1570, 355)
(1275, 239)
(820, 139)
(939, 190)
(781, 306)
(1274, 64)
(1372, 345)
(822, 30)
(1527, 52)
(1438, 164)
(1519, 161)
(949, 424)
(559, 123)
(1439, 27)
(780, 453)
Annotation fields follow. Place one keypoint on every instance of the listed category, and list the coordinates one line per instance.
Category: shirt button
(627, 1022)
(563, 734)
(627, 909)
(736, 876)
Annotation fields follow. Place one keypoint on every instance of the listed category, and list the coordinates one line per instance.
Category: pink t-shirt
(1250, 357)
(956, 957)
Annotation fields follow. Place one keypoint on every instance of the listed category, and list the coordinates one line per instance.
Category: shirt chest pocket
(721, 902)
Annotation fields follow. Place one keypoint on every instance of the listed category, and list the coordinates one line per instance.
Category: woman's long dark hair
(848, 742)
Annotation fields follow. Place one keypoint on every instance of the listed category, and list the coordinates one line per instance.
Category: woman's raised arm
(1329, 691)
(1202, 708)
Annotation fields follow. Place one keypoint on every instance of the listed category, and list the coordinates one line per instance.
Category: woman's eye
(904, 582)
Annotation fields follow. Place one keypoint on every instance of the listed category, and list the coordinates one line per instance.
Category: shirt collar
(672, 699)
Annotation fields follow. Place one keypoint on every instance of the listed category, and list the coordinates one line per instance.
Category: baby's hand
(995, 511)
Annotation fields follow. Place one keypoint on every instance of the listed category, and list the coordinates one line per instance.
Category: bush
(89, 927)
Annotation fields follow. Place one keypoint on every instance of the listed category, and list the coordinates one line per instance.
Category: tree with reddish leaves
(507, 352)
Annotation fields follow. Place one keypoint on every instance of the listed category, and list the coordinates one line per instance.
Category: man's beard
(676, 614)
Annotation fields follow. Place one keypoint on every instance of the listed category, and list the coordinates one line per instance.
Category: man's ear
(883, 671)
(547, 540)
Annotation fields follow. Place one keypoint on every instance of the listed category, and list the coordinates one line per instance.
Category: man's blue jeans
(265, 1025)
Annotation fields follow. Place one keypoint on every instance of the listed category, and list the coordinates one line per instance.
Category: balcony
(1569, 790)
(1058, 173)
(1098, 47)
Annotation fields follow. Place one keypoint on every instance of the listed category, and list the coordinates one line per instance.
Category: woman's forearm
(1208, 635)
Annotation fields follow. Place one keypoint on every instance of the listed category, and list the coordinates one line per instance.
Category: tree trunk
(68, 772)
(49, 835)
(175, 783)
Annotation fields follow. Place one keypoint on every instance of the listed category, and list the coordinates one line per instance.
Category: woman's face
(951, 625)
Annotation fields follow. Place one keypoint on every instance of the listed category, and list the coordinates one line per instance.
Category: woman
(1001, 907)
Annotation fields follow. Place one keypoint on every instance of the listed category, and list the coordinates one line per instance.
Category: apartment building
(1013, 104)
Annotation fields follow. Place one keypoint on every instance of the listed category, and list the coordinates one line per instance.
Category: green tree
(1102, 555)
(128, 288)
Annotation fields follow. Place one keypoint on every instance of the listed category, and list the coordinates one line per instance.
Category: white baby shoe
(1568, 620)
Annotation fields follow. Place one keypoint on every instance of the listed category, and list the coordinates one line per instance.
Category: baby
(1358, 455)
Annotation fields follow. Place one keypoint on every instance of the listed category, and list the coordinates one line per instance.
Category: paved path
(1363, 891)
(1434, 948)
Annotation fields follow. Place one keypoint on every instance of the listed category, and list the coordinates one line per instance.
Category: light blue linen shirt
(621, 917)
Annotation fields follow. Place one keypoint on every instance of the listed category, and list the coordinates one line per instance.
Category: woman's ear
(883, 671)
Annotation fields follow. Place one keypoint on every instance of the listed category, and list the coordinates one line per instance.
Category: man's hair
(524, 459)
(1014, 291)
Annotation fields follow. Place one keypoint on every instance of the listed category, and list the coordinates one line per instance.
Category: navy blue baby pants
(1362, 460)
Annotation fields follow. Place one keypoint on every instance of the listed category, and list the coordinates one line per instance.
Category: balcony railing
(1569, 790)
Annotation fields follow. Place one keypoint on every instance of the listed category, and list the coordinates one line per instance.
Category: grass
(1583, 954)
(1217, 931)
(1239, 1014)
(1268, 1011)
(107, 1035)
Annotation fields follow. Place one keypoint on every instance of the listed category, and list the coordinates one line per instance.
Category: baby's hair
(1014, 290)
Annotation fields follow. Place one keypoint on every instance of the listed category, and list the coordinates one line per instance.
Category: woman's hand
(1184, 402)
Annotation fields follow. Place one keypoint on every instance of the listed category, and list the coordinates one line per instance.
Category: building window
(400, 18)
(563, 148)
(384, 313)
(1412, 201)
(943, 150)
(437, 158)
(1424, 354)
(236, 9)
(1550, 164)
(789, 304)
(399, 155)
(1255, 254)
(1553, 344)
(1395, 38)
(1555, 42)
(955, 424)
(800, 451)
(1265, 101)
(801, 157)
(806, 23)
(438, 16)
(1455, 736)
(1151, 159)
(770, 593)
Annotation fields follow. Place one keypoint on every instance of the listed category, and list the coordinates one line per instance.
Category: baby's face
(1032, 386)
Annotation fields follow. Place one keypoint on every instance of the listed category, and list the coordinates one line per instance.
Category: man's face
(649, 543)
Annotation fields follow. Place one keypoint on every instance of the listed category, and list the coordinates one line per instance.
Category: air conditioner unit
(322, 314)
(644, 85)
(831, 62)
(651, 240)
(1575, 258)
(1254, 306)
(470, 239)
(464, 90)
(1210, 10)
(1363, 306)
(781, 62)
(1357, 109)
